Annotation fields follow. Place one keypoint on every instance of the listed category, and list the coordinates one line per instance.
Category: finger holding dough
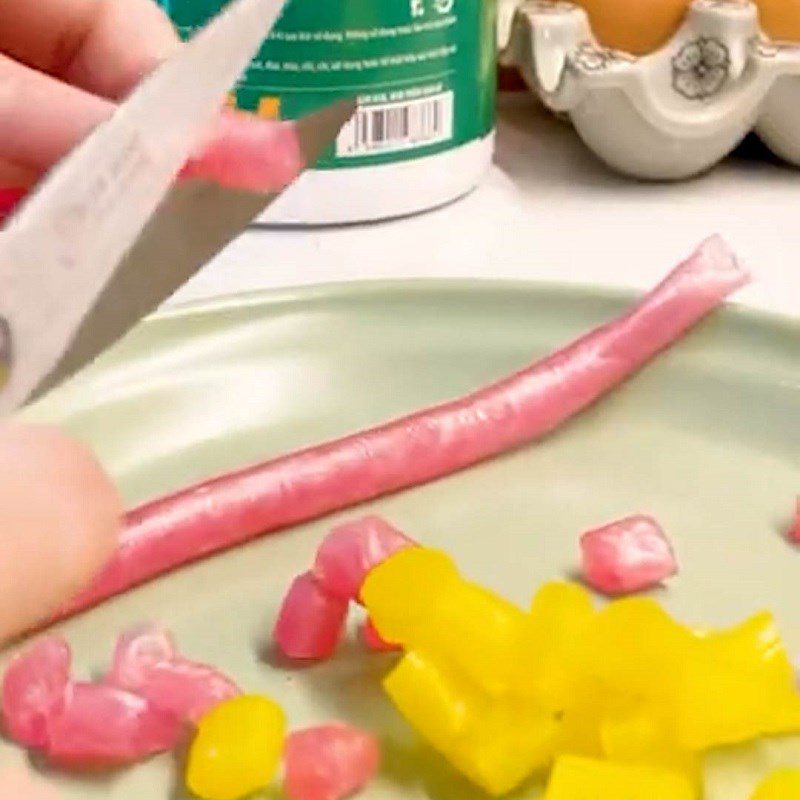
(17, 783)
(60, 517)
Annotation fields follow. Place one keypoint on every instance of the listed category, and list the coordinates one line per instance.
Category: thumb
(59, 520)
(17, 783)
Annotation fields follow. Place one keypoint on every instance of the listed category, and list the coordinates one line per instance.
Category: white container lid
(365, 194)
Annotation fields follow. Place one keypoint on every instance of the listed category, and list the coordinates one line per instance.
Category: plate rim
(364, 287)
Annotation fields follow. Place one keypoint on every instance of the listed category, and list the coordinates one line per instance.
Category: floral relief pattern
(550, 7)
(591, 58)
(700, 68)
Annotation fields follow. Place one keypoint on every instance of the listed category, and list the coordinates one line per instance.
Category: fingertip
(17, 783)
(60, 516)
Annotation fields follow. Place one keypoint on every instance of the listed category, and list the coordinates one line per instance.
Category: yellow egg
(636, 26)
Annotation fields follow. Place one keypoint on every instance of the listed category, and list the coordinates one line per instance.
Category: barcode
(391, 127)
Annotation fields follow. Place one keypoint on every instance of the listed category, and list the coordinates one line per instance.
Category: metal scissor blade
(62, 248)
(193, 224)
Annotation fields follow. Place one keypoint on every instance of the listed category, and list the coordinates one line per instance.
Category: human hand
(63, 64)
(59, 522)
(18, 783)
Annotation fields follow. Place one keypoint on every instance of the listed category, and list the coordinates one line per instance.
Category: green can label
(423, 71)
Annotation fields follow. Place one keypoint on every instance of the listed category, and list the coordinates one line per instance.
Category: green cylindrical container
(424, 75)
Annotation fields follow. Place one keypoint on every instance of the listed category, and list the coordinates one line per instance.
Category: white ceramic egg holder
(671, 114)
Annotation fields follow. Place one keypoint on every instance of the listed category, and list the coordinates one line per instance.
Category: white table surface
(546, 211)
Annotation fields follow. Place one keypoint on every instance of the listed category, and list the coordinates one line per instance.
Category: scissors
(109, 234)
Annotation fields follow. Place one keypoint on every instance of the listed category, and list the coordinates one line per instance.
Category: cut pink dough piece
(374, 641)
(146, 663)
(137, 651)
(242, 151)
(310, 621)
(186, 689)
(794, 530)
(10, 198)
(246, 152)
(350, 551)
(626, 556)
(329, 762)
(101, 727)
(34, 689)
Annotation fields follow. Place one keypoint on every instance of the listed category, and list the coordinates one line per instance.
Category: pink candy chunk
(146, 662)
(246, 152)
(794, 529)
(101, 727)
(34, 690)
(329, 762)
(374, 641)
(626, 556)
(137, 651)
(350, 551)
(310, 621)
(186, 689)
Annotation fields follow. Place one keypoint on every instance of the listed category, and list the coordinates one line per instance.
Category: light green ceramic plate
(708, 440)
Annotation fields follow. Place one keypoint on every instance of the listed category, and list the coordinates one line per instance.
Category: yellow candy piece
(237, 749)
(636, 647)
(502, 693)
(560, 611)
(480, 633)
(505, 746)
(399, 593)
(580, 721)
(717, 704)
(738, 684)
(559, 619)
(640, 737)
(438, 703)
(754, 645)
(783, 784)
(417, 599)
(496, 744)
(579, 735)
(575, 778)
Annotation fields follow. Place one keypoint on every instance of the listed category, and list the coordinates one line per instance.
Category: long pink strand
(232, 509)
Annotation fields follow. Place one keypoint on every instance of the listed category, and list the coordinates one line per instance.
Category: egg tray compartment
(673, 113)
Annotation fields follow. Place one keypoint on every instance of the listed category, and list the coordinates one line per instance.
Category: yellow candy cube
(783, 784)
(754, 645)
(236, 749)
(581, 720)
(736, 685)
(635, 647)
(437, 702)
(495, 743)
(417, 599)
(560, 617)
(400, 592)
(576, 778)
(641, 737)
(505, 746)
(480, 633)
